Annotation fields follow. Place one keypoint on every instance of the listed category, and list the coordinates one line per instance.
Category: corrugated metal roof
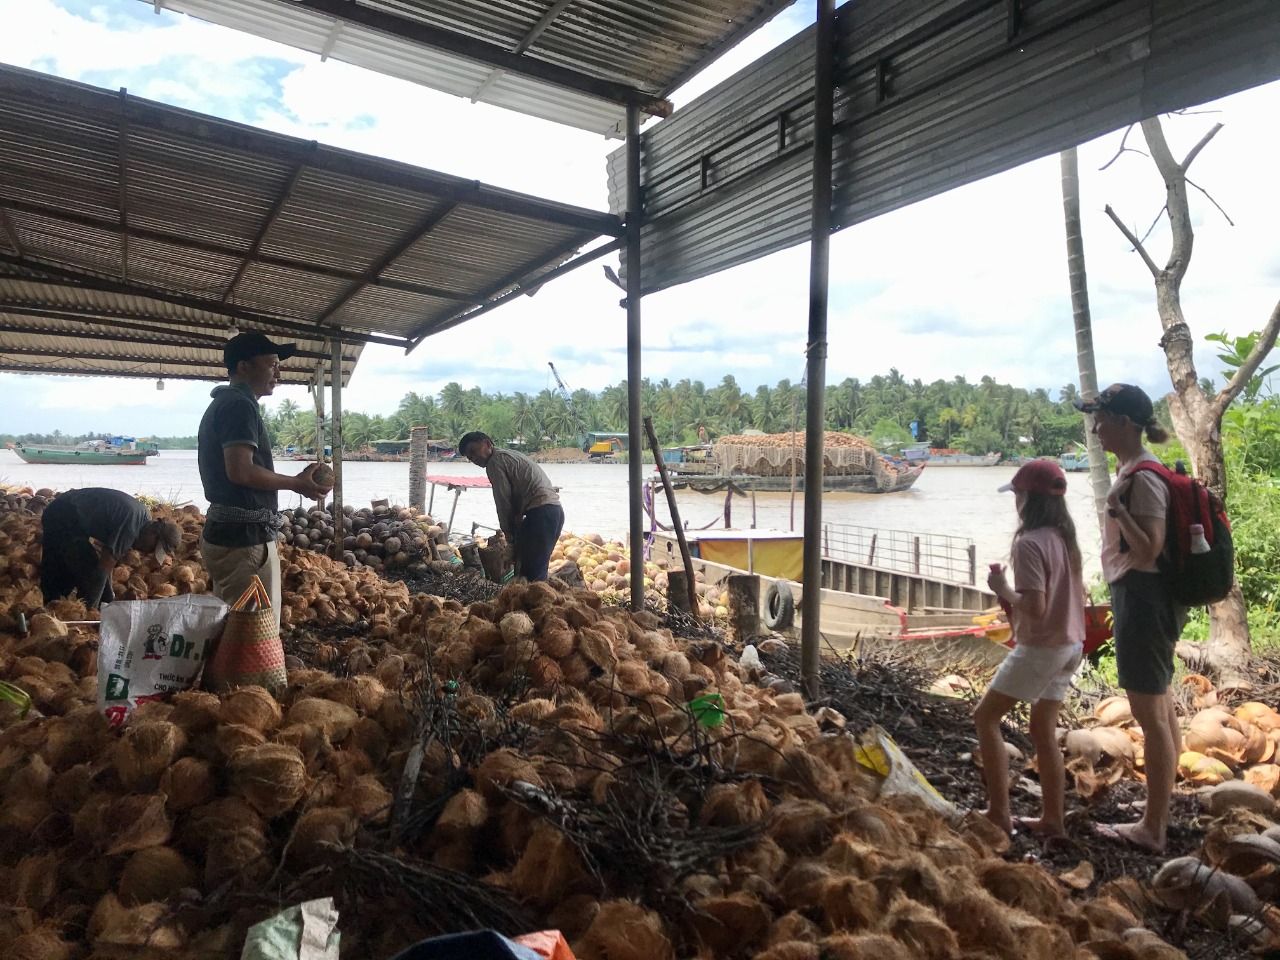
(931, 94)
(123, 201)
(650, 48)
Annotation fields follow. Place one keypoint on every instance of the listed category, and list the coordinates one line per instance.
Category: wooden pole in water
(685, 557)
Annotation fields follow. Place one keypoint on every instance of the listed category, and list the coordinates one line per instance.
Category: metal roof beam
(487, 53)
(548, 18)
(420, 333)
(112, 358)
(10, 232)
(407, 240)
(123, 161)
(268, 222)
(224, 250)
(204, 343)
(90, 281)
(46, 370)
(59, 95)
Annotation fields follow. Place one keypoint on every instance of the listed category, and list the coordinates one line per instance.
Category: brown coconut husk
(732, 924)
(348, 763)
(1024, 886)
(765, 860)
(849, 903)
(803, 884)
(240, 855)
(44, 943)
(390, 671)
(334, 719)
(91, 821)
(79, 737)
(318, 827)
(147, 926)
(71, 788)
(195, 711)
(367, 798)
(140, 821)
(623, 930)
(367, 735)
(790, 950)
(145, 751)
(369, 693)
(516, 626)
(801, 826)
(308, 740)
(188, 783)
(556, 639)
(734, 804)
(230, 738)
(920, 930)
(33, 882)
(979, 920)
(154, 874)
(550, 868)
(465, 813)
(792, 927)
(864, 946)
(218, 818)
(500, 768)
(533, 710)
(253, 707)
(272, 777)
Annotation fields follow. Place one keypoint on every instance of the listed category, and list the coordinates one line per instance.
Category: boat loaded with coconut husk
(774, 462)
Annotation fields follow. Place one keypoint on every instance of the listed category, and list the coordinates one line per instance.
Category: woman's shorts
(1038, 673)
(1146, 624)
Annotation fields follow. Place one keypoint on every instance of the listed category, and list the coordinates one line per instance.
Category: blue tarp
(480, 945)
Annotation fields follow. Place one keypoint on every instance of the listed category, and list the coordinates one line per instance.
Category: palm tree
(1098, 473)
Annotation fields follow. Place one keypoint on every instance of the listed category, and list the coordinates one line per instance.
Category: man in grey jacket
(529, 510)
(116, 522)
(238, 473)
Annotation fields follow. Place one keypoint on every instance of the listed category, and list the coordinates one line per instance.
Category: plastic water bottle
(1198, 543)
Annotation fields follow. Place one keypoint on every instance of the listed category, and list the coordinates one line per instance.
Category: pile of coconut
(521, 722)
(382, 537)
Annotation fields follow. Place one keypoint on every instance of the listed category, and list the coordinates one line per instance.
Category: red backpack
(1195, 579)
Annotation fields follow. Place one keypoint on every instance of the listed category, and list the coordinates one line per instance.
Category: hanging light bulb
(160, 384)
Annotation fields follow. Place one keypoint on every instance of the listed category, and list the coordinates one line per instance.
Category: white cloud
(970, 282)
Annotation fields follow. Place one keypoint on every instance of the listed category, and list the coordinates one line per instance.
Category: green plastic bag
(708, 710)
(308, 931)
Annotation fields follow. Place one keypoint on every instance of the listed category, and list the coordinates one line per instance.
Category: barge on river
(118, 451)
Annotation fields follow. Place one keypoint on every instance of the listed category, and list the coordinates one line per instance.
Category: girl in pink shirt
(1047, 614)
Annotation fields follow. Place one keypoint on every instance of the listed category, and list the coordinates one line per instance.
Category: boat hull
(45, 455)
(860, 483)
(964, 460)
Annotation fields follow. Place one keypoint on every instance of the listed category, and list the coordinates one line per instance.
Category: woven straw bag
(250, 652)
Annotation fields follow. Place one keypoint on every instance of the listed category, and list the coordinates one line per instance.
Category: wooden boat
(130, 453)
(1075, 462)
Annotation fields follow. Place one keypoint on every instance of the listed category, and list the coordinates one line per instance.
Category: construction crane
(568, 402)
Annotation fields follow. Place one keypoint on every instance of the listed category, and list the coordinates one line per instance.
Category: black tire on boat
(779, 607)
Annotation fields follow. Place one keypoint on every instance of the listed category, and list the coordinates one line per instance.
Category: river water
(956, 501)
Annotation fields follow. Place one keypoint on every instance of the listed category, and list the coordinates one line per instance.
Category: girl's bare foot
(1003, 821)
(1041, 828)
(1134, 834)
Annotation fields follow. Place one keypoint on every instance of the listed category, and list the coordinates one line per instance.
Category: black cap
(1122, 399)
(246, 346)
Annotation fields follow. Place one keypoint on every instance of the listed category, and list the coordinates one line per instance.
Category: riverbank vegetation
(974, 417)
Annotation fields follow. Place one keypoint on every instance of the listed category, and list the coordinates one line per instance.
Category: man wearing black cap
(238, 473)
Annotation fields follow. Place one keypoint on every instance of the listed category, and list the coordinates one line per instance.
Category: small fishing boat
(117, 451)
(1074, 461)
(954, 458)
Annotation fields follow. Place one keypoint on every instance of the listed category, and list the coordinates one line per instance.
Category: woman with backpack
(1147, 621)
(1047, 613)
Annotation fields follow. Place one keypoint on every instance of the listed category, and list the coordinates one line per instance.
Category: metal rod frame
(635, 439)
(123, 160)
(490, 54)
(335, 443)
(90, 281)
(426, 330)
(816, 348)
(268, 221)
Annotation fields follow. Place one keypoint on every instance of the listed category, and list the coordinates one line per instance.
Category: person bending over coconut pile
(1146, 620)
(1046, 609)
(117, 521)
(529, 511)
(238, 473)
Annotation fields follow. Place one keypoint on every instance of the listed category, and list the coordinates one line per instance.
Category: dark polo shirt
(233, 419)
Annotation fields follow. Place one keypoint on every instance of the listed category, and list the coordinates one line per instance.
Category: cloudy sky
(972, 282)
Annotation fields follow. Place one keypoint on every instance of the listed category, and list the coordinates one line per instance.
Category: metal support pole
(317, 397)
(335, 440)
(635, 438)
(816, 350)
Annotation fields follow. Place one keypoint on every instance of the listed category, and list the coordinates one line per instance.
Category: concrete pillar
(418, 468)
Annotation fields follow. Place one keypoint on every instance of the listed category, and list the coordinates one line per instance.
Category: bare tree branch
(1163, 211)
(1123, 149)
(1204, 142)
(1211, 200)
(1137, 244)
(1266, 340)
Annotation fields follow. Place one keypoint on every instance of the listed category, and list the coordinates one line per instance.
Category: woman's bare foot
(1133, 834)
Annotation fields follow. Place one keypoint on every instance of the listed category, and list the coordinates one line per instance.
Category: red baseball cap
(1038, 476)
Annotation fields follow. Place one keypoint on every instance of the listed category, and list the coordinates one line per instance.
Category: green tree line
(974, 417)
(64, 439)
